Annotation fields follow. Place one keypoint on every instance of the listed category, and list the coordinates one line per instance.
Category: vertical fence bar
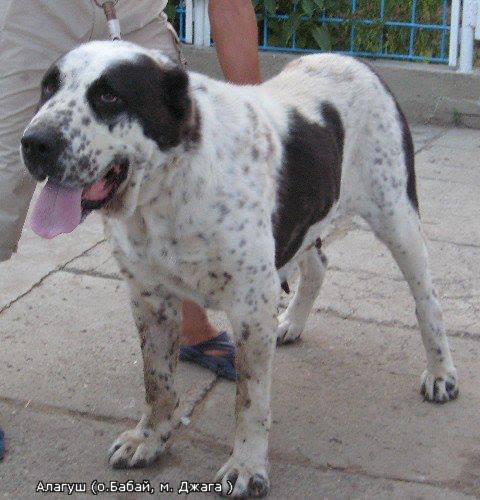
(352, 30)
(181, 26)
(469, 21)
(454, 32)
(382, 18)
(294, 34)
(411, 45)
(189, 21)
(265, 27)
(444, 22)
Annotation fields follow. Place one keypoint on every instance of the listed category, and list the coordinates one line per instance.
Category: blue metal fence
(411, 30)
(353, 33)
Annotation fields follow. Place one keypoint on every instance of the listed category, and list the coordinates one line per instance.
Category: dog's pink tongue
(58, 210)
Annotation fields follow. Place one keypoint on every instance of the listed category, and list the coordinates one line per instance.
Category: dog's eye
(104, 100)
(109, 98)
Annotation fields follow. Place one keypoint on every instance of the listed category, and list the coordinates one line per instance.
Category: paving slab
(48, 446)
(449, 186)
(348, 397)
(423, 135)
(37, 257)
(97, 261)
(448, 165)
(72, 343)
(364, 281)
(460, 138)
(450, 212)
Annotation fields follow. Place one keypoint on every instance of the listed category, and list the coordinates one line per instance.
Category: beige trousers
(34, 34)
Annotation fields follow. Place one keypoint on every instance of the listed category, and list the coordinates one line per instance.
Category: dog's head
(108, 112)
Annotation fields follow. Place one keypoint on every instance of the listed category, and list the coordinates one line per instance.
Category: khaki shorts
(34, 34)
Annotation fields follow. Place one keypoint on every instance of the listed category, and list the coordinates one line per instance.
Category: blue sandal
(222, 365)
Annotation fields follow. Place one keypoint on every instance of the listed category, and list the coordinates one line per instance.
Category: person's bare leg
(196, 329)
(195, 325)
(235, 33)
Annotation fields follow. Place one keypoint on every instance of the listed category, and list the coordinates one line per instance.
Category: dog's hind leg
(157, 316)
(312, 266)
(399, 227)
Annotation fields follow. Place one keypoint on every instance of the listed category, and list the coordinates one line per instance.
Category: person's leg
(34, 34)
(195, 327)
(235, 33)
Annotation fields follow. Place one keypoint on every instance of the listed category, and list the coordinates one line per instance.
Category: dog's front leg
(255, 329)
(157, 316)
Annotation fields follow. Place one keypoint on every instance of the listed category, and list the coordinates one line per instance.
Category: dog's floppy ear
(156, 94)
(177, 98)
(176, 82)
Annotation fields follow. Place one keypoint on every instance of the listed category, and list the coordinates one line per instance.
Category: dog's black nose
(41, 148)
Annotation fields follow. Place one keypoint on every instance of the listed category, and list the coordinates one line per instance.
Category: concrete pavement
(348, 418)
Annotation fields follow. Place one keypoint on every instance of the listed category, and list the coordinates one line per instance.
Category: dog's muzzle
(60, 208)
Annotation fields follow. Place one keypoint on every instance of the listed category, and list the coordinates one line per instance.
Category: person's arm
(235, 33)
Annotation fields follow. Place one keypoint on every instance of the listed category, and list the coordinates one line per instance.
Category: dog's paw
(439, 389)
(288, 331)
(135, 449)
(241, 481)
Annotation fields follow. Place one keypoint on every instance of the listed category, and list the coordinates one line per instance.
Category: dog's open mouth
(61, 209)
(99, 194)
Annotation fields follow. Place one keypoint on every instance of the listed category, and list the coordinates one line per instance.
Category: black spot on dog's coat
(310, 179)
(156, 96)
(335, 126)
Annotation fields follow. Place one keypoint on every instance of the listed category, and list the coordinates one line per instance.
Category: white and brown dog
(212, 192)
